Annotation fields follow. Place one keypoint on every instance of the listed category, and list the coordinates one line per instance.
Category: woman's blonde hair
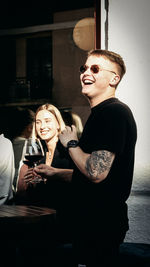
(52, 109)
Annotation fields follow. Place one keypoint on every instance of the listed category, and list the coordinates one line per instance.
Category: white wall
(129, 35)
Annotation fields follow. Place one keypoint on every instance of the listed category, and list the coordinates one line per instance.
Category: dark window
(7, 66)
(39, 67)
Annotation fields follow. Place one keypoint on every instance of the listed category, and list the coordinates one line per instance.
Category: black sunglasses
(94, 69)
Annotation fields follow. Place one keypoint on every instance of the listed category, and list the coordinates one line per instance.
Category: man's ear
(115, 80)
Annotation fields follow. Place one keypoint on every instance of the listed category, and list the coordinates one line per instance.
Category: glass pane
(40, 63)
(70, 47)
(7, 67)
(39, 67)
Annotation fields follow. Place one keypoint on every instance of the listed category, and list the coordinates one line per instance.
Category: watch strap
(72, 143)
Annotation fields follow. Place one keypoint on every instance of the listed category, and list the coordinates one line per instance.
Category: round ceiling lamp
(83, 33)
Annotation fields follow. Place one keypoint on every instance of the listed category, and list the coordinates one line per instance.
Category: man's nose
(88, 71)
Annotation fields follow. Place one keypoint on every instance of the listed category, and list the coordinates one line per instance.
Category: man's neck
(95, 101)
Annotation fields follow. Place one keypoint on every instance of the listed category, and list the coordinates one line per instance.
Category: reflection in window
(39, 67)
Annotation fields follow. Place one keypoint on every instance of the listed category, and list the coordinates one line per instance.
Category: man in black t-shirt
(104, 163)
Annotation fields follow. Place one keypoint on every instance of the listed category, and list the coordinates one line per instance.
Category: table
(16, 214)
(25, 229)
(18, 219)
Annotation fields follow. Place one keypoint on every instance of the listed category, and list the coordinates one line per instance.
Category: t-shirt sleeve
(112, 135)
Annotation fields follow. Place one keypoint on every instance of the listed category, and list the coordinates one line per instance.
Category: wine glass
(33, 154)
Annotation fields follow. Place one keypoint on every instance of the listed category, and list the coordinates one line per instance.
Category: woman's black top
(54, 194)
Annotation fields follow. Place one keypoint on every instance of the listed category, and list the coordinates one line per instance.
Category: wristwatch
(72, 143)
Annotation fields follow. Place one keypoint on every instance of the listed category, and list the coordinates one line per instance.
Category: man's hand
(44, 171)
(70, 133)
(51, 173)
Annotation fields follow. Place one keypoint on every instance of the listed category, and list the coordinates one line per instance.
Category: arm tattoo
(98, 162)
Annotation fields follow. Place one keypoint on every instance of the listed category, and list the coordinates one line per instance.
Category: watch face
(72, 143)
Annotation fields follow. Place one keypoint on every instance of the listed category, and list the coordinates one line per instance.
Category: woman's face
(46, 125)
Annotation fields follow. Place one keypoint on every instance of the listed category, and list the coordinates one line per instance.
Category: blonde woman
(48, 125)
(52, 193)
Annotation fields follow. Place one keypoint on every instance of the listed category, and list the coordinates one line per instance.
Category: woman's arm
(22, 185)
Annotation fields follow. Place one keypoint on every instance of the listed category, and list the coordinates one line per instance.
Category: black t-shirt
(102, 206)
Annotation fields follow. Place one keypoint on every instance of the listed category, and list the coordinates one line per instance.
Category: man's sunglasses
(94, 69)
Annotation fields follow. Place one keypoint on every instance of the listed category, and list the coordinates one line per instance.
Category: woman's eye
(47, 121)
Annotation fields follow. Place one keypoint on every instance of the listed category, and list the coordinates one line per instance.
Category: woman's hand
(29, 175)
(32, 177)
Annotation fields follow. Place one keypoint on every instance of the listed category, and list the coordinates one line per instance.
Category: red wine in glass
(33, 159)
(33, 154)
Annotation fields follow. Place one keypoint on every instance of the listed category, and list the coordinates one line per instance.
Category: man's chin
(85, 91)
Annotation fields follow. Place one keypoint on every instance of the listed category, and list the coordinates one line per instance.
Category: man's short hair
(113, 57)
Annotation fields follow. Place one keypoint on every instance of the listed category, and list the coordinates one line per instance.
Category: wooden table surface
(25, 214)
(26, 230)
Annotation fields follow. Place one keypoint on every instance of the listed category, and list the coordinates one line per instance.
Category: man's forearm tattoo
(98, 162)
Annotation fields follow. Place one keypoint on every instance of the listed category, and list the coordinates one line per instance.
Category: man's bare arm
(98, 165)
(94, 166)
